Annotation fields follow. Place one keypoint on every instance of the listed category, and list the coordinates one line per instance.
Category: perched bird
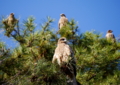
(62, 21)
(110, 36)
(63, 52)
(65, 58)
(10, 23)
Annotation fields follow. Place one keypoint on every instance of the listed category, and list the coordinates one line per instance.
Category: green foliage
(30, 63)
(97, 59)
(69, 30)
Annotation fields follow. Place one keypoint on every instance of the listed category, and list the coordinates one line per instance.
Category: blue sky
(99, 15)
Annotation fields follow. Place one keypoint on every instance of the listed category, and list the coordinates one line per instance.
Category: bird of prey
(10, 21)
(65, 58)
(9, 24)
(110, 36)
(62, 21)
(63, 52)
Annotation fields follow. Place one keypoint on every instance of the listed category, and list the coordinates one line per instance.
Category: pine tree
(30, 63)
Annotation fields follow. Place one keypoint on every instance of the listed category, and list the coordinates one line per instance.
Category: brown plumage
(62, 21)
(11, 19)
(63, 52)
(110, 36)
(10, 23)
(65, 58)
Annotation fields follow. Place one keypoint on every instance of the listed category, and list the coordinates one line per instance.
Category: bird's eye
(62, 39)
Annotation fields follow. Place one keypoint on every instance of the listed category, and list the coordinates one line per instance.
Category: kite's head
(62, 40)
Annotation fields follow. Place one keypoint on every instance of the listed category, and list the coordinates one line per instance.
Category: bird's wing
(106, 35)
(66, 20)
(59, 25)
(67, 50)
(113, 36)
(60, 21)
(54, 56)
(57, 56)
